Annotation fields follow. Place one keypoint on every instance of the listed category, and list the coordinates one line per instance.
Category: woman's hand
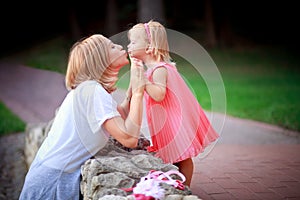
(137, 78)
(126, 129)
(137, 83)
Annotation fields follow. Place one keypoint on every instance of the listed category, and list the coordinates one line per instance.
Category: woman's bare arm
(123, 107)
(127, 131)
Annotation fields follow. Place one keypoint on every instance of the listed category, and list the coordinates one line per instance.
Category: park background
(253, 43)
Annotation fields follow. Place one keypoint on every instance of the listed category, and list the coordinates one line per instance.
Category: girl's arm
(157, 89)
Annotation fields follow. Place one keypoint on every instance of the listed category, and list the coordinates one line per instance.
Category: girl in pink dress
(178, 126)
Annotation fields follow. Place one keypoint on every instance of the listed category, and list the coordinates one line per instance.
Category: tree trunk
(151, 9)
(210, 30)
(74, 25)
(111, 19)
(226, 35)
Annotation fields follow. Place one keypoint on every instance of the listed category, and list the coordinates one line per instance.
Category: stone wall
(114, 171)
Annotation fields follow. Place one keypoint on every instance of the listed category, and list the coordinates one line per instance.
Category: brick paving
(270, 171)
(251, 160)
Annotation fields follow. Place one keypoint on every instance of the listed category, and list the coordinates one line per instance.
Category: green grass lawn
(260, 83)
(9, 122)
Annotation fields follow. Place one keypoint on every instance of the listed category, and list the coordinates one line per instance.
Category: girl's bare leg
(186, 167)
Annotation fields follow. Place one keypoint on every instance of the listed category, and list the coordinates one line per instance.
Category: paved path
(251, 160)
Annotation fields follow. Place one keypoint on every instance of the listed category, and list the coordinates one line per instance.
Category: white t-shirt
(76, 133)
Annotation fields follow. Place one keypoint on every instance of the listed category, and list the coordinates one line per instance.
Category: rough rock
(114, 171)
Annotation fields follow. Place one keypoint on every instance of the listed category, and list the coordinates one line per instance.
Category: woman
(86, 118)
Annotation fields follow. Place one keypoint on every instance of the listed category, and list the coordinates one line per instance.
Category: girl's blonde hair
(155, 34)
(89, 60)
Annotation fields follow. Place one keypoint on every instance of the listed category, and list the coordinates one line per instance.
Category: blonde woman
(86, 118)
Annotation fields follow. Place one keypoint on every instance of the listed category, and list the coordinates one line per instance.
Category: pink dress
(178, 126)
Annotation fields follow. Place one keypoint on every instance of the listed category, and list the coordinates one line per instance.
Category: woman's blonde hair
(155, 34)
(89, 60)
